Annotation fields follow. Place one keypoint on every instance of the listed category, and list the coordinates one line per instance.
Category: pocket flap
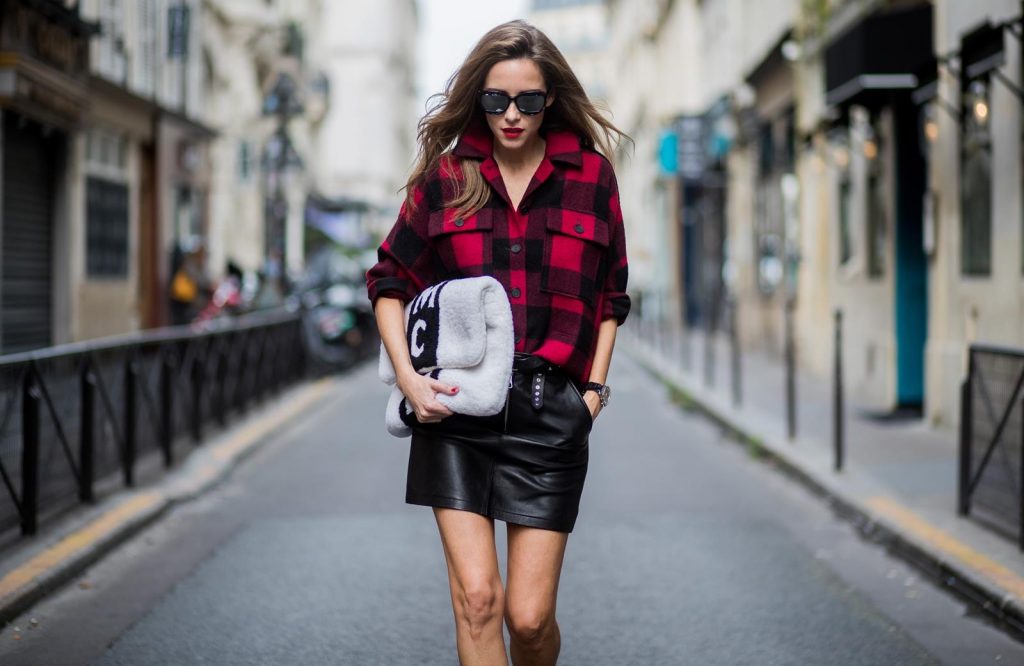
(579, 224)
(447, 222)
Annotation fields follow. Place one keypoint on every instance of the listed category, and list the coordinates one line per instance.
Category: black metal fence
(992, 439)
(82, 419)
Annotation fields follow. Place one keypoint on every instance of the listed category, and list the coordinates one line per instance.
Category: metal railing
(89, 415)
(991, 484)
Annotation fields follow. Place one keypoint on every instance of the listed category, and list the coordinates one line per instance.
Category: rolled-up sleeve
(616, 300)
(404, 264)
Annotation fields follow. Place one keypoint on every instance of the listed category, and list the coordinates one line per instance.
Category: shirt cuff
(391, 287)
(616, 307)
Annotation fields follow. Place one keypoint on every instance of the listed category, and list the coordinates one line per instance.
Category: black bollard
(29, 506)
(963, 503)
(837, 425)
(790, 361)
(87, 436)
(709, 346)
(734, 344)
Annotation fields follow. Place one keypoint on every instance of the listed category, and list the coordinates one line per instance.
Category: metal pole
(86, 440)
(709, 347)
(29, 452)
(222, 384)
(686, 347)
(131, 372)
(167, 409)
(790, 359)
(196, 377)
(837, 432)
(963, 504)
(734, 339)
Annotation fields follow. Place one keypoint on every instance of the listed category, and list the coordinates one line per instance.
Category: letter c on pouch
(417, 348)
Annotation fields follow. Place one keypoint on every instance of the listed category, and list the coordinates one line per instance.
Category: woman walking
(509, 183)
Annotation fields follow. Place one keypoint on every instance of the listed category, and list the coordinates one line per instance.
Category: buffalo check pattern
(561, 256)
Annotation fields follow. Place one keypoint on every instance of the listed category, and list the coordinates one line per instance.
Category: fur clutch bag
(459, 332)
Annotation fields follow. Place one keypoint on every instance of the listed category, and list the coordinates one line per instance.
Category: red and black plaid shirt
(561, 257)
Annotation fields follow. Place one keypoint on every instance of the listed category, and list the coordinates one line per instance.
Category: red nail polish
(455, 389)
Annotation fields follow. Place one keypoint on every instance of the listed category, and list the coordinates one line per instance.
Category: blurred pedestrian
(525, 195)
(190, 288)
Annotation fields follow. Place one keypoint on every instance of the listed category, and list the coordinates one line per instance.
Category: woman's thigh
(534, 567)
(468, 541)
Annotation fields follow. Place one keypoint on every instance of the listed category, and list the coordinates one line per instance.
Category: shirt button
(519, 339)
(578, 227)
(516, 247)
(459, 222)
(515, 294)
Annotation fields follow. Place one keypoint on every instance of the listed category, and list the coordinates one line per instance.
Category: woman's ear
(550, 100)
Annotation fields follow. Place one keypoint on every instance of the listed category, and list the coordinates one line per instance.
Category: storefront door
(26, 261)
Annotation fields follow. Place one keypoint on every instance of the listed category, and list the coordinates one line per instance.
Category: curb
(997, 604)
(127, 513)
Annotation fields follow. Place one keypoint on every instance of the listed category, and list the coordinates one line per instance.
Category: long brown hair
(457, 108)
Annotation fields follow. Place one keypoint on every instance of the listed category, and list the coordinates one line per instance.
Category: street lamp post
(279, 158)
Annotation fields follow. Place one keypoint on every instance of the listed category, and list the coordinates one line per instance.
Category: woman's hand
(593, 401)
(421, 393)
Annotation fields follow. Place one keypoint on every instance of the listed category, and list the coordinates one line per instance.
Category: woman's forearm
(390, 314)
(603, 352)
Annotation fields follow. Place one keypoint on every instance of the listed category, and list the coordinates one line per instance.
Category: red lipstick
(512, 132)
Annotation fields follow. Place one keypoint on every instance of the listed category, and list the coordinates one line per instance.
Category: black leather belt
(537, 368)
(522, 362)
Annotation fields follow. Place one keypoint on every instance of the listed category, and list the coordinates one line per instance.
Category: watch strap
(602, 391)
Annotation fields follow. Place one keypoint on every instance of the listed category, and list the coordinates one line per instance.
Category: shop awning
(981, 50)
(877, 56)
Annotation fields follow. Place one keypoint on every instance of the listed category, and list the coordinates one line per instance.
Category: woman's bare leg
(534, 567)
(475, 582)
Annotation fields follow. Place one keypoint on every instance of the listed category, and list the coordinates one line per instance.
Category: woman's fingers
(441, 387)
(422, 395)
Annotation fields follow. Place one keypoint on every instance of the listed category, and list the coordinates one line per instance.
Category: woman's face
(513, 130)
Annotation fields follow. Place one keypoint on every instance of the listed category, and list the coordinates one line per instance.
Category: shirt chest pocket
(462, 244)
(575, 245)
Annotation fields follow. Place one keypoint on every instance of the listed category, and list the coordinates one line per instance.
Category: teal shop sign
(668, 153)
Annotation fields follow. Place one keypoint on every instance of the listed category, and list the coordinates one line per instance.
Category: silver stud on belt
(538, 390)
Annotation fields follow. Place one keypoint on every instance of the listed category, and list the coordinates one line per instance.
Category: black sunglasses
(530, 103)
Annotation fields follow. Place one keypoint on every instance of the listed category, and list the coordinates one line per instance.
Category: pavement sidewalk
(899, 480)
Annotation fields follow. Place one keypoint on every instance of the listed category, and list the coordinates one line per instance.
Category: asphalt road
(686, 551)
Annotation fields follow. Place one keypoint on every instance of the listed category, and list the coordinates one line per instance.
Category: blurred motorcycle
(338, 320)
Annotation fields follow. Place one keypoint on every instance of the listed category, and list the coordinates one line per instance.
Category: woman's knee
(480, 603)
(529, 624)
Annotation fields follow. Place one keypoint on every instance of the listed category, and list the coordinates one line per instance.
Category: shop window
(876, 199)
(976, 181)
(245, 161)
(106, 228)
(877, 224)
(775, 166)
(845, 237)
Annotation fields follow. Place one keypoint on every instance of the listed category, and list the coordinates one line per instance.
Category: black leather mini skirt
(524, 465)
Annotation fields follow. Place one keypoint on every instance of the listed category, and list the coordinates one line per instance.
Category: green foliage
(814, 15)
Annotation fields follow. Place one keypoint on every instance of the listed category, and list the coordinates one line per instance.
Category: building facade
(861, 156)
(44, 83)
(579, 28)
(367, 140)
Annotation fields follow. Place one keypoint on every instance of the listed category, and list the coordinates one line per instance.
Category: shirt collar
(477, 142)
